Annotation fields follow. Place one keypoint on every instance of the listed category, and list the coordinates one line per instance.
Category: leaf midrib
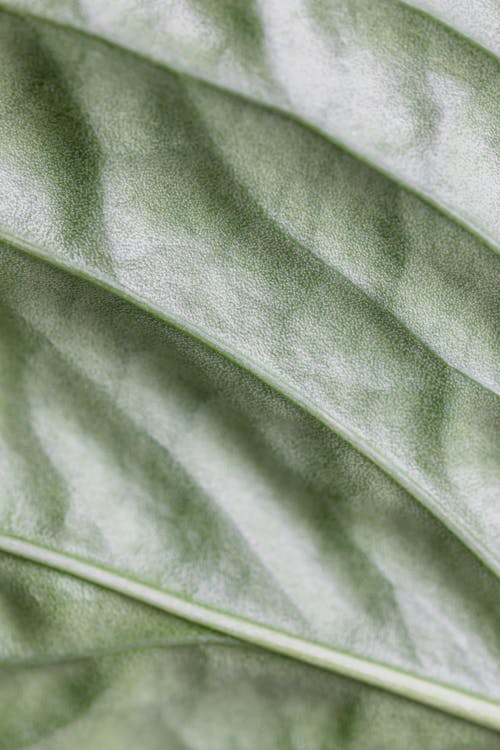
(440, 206)
(452, 700)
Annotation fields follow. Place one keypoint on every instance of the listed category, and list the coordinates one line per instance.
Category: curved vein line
(290, 236)
(452, 700)
(430, 501)
(439, 205)
(329, 263)
(258, 558)
(97, 653)
(449, 26)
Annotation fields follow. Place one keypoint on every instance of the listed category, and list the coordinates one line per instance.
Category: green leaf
(116, 686)
(259, 392)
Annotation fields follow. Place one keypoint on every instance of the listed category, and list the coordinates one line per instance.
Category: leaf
(396, 87)
(278, 418)
(183, 690)
(179, 691)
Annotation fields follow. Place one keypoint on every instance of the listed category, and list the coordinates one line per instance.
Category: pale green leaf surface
(139, 186)
(117, 674)
(47, 617)
(478, 21)
(395, 86)
(169, 464)
(290, 488)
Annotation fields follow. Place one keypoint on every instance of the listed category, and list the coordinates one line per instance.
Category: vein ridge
(398, 475)
(455, 701)
(439, 206)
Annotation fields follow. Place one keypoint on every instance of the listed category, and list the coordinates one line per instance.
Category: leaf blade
(259, 526)
(265, 78)
(362, 309)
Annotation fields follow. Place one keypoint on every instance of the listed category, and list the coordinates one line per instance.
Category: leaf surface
(397, 87)
(116, 673)
(270, 405)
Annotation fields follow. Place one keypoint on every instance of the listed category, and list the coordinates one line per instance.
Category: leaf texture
(398, 88)
(116, 674)
(272, 397)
